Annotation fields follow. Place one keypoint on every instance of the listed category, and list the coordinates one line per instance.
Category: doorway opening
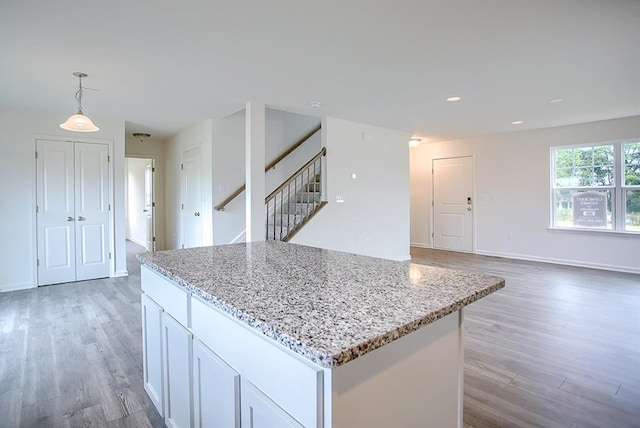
(139, 202)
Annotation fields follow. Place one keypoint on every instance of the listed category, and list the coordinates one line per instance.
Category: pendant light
(79, 122)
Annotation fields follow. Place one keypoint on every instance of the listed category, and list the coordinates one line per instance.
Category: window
(596, 186)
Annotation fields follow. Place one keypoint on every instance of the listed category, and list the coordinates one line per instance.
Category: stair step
(313, 187)
(294, 208)
(284, 219)
(307, 197)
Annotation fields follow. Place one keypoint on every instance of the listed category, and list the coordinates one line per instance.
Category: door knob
(69, 218)
(469, 209)
(196, 214)
(80, 218)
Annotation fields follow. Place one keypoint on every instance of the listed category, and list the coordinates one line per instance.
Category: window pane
(632, 164)
(564, 158)
(632, 217)
(584, 166)
(589, 209)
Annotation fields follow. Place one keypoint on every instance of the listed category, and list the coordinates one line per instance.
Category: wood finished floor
(558, 347)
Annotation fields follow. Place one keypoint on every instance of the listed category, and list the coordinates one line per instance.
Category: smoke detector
(141, 136)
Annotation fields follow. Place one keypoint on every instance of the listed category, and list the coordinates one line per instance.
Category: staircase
(295, 201)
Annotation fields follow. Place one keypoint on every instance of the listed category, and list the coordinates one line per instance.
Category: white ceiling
(164, 65)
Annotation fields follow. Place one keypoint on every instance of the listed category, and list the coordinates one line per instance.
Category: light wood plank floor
(559, 346)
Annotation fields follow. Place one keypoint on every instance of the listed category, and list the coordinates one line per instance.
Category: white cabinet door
(177, 344)
(258, 411)
(216, 390)
(152, 351)
(92, 210)
(55, 216)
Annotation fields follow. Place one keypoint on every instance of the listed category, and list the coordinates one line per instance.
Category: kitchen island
(271, 334)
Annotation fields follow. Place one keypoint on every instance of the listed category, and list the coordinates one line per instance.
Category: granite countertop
(330, 307)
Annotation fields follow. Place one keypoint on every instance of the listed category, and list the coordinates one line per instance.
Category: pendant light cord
(79, 95)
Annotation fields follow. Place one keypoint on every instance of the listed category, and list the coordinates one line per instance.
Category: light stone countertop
(330, 307)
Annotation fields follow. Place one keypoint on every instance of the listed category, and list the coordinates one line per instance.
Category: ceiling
(165, 65)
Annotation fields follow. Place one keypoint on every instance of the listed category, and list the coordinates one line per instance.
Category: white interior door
(191, 198)
(72, 198)
(55, 212)
(92, 210)
(149, 207)
(453, 204)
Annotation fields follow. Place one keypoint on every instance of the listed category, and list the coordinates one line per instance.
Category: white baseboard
(420, 245)
(558, 261)
(120, 273)
(135, 241)
(14, 287)
(242, 237)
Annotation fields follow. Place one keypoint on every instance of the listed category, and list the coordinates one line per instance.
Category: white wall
(135, 200)
(152, 148)
(283, 129)
(18, 131)
(374, 218)
(228, 174)
(512, 195)
(197, 136)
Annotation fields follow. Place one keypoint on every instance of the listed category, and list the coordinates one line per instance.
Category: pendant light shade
(79, 122)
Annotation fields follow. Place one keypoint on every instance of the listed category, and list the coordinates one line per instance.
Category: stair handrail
(272, 164)
(293, 176)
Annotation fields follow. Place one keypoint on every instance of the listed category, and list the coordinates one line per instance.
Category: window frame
(618, 189)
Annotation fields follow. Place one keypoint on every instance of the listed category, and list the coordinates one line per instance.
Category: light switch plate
(339, 199)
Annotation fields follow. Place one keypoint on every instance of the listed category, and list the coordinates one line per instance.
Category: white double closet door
(72, 188)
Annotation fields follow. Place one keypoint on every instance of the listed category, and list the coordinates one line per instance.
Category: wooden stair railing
(272, 164)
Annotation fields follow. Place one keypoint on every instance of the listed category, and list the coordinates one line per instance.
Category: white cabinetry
(258, 411)
(216, 390)
(167, 349)
(176, 358)
(152, 351)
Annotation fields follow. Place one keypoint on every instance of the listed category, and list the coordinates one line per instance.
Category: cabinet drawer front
(165, 293)
(293, 384)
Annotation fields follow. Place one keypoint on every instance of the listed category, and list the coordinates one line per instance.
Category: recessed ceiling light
(314, 104)
(517, 122)
(453, 99)
(556, 100)
(415, 142)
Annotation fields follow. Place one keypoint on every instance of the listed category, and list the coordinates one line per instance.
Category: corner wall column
(256, 215)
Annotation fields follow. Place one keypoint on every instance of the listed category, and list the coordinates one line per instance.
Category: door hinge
(108, 158)
(181, 166)
(181, 206)
(153, 170)
(109, 256)
(431, 202)
(432, 235)
(153, 239)
(109, 207)
(153, 204)
(38, 262)
(37, 209)
(36, 155)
